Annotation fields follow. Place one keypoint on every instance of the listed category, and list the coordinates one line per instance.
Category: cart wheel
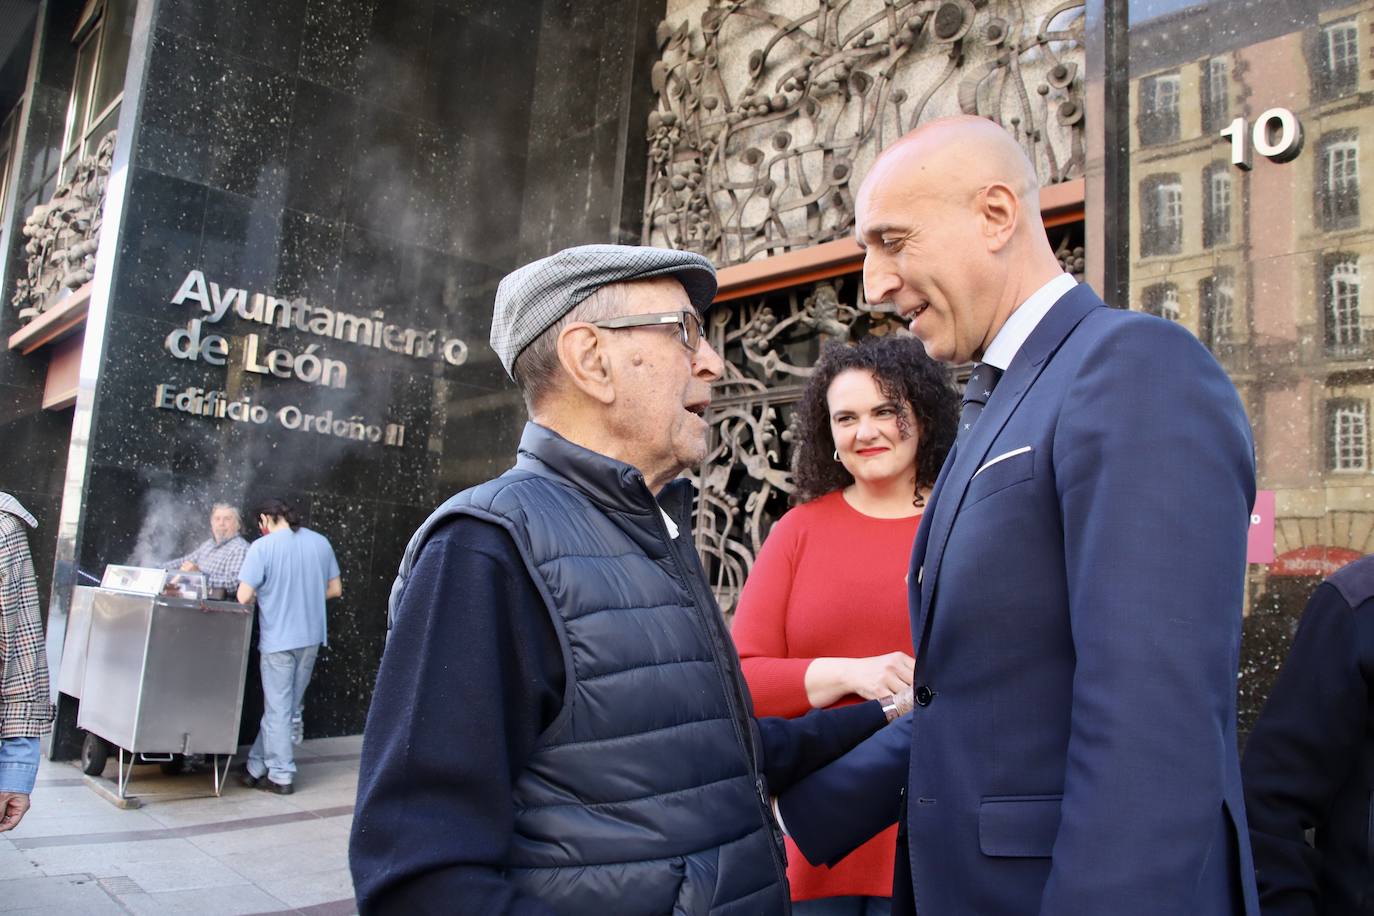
(94, 752)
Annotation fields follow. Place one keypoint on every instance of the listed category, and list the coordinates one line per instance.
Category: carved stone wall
(62, 236)
(770, 111)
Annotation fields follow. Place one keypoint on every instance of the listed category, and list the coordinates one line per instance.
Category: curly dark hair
(906, 375)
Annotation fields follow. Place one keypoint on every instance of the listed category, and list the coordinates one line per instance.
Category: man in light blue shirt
(291, 570)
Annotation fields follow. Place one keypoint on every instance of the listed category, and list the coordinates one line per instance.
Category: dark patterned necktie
(976, 394)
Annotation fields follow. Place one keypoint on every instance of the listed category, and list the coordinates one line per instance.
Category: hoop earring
(837, 454)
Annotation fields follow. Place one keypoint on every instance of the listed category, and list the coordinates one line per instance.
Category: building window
(9, 174)
(1161, 227)
(1216, 97)
(1347, 434)
(1344, 327)
(1337, 62)
(1161, 299)
(1338, 180)
(1159, 109)
(9, 136)
(1217, 309)
(1216, 204)
(102, 55)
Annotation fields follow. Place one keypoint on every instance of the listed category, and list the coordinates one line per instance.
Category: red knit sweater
(828, 582)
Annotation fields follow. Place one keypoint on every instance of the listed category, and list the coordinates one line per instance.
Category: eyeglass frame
(685, 319)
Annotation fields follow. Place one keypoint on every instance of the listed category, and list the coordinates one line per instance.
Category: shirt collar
(1023, 320)
(11, 505)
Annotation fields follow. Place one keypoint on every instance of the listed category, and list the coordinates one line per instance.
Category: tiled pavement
(185, 851)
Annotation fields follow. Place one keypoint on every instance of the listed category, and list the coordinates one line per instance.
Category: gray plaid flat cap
(532, 298)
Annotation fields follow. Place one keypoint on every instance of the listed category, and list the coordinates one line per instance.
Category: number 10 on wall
(1277, 136)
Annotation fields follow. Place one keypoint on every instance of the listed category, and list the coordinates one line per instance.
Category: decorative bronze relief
(764, 121)
(63, 234)
(770, 344)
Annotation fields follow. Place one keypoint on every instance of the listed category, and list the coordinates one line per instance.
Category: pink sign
(1260, 547)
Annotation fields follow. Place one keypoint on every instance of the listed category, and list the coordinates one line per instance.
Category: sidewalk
(246, 852)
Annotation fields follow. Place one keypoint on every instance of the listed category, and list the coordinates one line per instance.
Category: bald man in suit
(1075, 585)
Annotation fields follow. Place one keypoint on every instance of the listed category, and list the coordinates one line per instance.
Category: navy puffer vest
(644, 795)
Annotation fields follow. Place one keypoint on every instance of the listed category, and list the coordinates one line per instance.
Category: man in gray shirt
(220, 555)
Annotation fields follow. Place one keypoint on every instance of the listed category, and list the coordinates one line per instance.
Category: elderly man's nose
(706, 362)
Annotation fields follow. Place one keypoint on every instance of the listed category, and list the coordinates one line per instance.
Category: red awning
(1317, 560)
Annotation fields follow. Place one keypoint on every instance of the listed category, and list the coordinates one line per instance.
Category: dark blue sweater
(460, 702)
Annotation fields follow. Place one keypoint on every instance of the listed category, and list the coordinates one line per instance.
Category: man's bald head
(956, 157)
(949, 217)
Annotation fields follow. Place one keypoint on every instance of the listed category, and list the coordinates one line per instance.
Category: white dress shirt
(669, 523)
(1023, 320)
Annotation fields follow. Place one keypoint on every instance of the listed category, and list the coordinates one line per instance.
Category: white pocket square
(1002, 457)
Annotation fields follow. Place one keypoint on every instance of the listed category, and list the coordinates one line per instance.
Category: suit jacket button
(924, 695)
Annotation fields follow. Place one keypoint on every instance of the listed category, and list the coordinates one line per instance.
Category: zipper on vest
(733, 699)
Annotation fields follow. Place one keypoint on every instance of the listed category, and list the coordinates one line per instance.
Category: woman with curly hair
(822, 619)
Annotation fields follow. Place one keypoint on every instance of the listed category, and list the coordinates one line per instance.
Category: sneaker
(276, 788)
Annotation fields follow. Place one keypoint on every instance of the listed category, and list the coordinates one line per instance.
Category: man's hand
(12, 808)
(189, 566)
(830, 679)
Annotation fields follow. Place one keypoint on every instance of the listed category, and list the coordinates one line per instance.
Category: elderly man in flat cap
(559, 724)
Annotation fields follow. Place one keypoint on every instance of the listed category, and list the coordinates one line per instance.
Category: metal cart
(164, 676)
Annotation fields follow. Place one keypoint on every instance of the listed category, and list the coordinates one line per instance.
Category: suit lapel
(918, 547)
(958, 470)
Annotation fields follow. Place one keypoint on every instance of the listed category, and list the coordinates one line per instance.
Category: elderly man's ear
(586, 363)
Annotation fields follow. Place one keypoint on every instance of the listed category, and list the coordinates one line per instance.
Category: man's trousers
(285, 675)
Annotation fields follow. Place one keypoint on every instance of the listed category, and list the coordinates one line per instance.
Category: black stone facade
(34, 442)
(364, 156)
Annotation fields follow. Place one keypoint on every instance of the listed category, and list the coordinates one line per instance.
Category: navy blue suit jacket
(1076, 589)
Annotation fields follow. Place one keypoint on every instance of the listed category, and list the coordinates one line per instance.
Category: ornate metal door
(770, 343)
(768, 115)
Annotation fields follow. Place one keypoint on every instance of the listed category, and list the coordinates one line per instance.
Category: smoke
(160, 538)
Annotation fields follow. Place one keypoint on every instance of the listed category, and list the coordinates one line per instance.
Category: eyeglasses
(688, 322)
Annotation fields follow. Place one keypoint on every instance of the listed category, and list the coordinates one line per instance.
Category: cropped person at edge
(26, 714)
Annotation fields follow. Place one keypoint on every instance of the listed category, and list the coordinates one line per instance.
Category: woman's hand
(832, 679)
